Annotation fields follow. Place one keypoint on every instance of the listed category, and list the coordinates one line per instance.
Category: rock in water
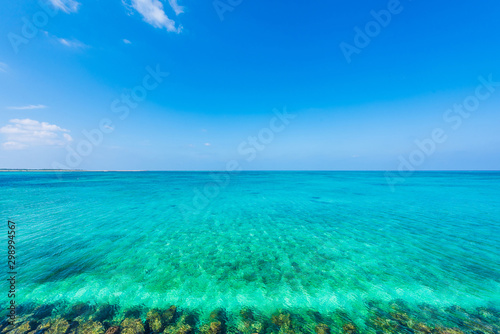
(59, 326)
(113, 330)
(169, 315)
(350, 328)
(282, 319)
(25, 327)
(132, 326)
(154, 321)
(182, 327)
(322, 329)
(90, 327)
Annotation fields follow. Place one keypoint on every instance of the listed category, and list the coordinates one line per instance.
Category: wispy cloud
(72, 43)
(153, 13)
(175, 6)
(126, 41)
(25, 133)
(67, 6)
(3, 67)
(28, 107)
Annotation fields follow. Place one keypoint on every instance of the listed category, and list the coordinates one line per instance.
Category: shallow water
(321, 241)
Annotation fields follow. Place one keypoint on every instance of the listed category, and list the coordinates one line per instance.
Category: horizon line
(246, 170)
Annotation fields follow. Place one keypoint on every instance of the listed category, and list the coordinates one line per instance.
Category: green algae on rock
(157, 320)
(58, 326)
(25, 327)
(322, 329)
(90, 327)
(132, 326)
(350, 328)
(154, 321)
(181, 327)
(113, 330)
(379, 318)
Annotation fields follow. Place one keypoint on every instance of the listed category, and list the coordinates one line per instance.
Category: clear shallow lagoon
(320, 241)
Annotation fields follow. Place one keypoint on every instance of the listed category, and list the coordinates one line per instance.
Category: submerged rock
(105, 312)
(4, 320)
(489, 315)
(257, 327)
(43, 311)
(384, 325)
(247, 324)
(42, 327)
(170, 315)
(421, 328)
(381, 318)
(322, 329)
(215, 327)
(315, 316)
(5, 327)
(185, 329)
(157, 320)
(132, 326)
(447, 331)
(90, 327)
(219, 315)
(154, 321)
(247, 314)
(253, 327)
(113, 330)
(182, 327)
(25, 308)
(282, 319)
(400, 317)
(458, 315)
(80, 310)
(134, 312)
(24, 327)
(58, 326)
(350, 328)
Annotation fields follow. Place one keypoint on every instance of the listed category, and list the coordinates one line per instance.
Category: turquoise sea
(320, 245)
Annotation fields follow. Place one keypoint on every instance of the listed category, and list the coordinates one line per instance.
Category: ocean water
(321, 241)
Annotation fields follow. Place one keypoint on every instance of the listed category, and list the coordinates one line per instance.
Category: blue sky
(233, 66)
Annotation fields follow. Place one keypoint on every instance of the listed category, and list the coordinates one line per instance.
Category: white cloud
(153, 13)
(67, 6)
(28, 107)
(71, 44)
(175, 6)
(126, 41)
(12, 145)
(23, 133)
(3, 67)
